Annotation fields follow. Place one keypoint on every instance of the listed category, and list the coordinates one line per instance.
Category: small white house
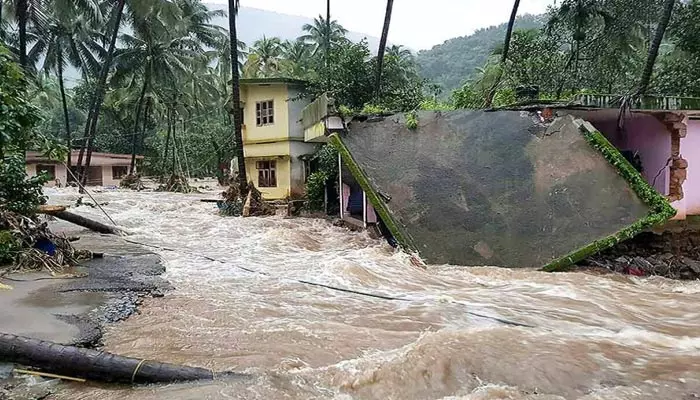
(106, 169)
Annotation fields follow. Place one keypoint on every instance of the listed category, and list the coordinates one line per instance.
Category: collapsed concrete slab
(502, 188)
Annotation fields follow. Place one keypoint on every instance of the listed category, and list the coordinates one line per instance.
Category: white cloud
(416, 24)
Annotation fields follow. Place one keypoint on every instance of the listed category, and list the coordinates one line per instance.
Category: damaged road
(74, 310)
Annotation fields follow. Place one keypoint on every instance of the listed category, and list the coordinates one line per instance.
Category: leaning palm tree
(233, 6)
(654, 47)
(504, 56)
(98, 96)
(382, 48)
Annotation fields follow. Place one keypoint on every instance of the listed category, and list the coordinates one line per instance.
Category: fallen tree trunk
(82, 221)
(94, 365)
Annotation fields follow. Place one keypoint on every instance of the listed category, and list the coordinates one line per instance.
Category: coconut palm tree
(654, 47)
(95, 107)
(154, 55)
(264, 58)
(233, 6)
(321, 33)
(382, 48)
(26, 13)
(296, 55)
(68, 39)
(504, 55)
(196, 20)
(222, 56)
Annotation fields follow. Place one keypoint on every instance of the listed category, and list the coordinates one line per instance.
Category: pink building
(106, 169)
(665, 142)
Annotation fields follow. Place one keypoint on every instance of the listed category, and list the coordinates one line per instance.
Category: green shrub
(19, 193)
(9, 247)
(412, 120)
(315, 190)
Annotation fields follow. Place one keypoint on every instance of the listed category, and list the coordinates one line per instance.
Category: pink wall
(346, 197)
(690, 150)
(645, 135)
(371, 214)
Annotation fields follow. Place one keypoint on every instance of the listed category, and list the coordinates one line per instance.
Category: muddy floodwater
(447, 337)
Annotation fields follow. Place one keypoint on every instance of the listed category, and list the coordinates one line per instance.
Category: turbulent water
(586, 336)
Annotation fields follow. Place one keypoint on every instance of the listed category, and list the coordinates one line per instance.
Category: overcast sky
(418, 24)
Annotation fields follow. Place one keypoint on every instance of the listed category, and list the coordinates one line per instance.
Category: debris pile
(132, 182)
(671, 255)
(175, 183)
(26, 244)
(251, 204)
(232, 206)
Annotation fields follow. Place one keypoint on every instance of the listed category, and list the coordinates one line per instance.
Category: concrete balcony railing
(644, 103)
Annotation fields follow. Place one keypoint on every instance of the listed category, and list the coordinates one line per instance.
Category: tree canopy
(166, 92)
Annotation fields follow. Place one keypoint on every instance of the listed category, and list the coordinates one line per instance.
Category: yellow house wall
(266, 149)
(282, 141)
(255, 93)
(283, 177)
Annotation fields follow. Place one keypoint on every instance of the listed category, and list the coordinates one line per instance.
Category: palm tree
(654, 47)
(153, 54)
(26, 13)
(504, 55)
(98, 96)
(382, 48)
(195, 20)
(296, 58)
(233, 6)
(22, 10)
(321, 33)
(68, 39)
(44, 92)
(222, 55)
(264, 58)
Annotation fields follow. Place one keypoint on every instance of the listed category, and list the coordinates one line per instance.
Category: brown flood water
(589, 337)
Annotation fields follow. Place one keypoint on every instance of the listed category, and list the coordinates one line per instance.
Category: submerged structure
(536, 186)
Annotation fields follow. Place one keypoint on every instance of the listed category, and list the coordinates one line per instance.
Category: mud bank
(76, 310)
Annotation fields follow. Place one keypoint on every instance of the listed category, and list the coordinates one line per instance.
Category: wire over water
(330, 287)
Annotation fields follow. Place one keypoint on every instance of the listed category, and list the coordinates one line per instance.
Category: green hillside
(450, 63)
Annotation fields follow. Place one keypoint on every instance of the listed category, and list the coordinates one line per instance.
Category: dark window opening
(264, 113)
(119, 171)
(267, 176)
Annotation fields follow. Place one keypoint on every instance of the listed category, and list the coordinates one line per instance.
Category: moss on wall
(660, 209)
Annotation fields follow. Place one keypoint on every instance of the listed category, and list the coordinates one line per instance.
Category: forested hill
(450, 63)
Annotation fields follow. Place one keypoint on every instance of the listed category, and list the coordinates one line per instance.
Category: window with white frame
(264, 113)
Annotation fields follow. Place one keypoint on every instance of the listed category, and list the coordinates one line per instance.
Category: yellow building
(273, 137)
